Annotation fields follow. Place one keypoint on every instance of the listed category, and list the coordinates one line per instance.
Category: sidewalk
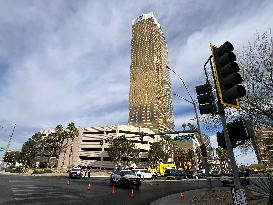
(219, 195)
(174, 199)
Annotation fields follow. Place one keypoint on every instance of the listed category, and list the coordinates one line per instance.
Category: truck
(160, 169)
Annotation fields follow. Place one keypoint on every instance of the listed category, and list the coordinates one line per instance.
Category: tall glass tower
(150, 97)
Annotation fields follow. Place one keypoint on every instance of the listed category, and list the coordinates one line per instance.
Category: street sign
(183, 137)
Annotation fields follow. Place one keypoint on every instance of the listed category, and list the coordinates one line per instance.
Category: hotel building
(150, 97)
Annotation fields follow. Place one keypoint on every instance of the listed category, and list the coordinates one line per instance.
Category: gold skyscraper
(150, 98)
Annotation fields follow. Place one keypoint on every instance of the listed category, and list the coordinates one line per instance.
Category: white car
(144, 174)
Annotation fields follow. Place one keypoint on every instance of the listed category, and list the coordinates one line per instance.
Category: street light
(198, 124)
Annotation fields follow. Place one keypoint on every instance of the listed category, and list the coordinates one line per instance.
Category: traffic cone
(182, 196)
(113, 190)
(68, 182)
(89, 187)
(132, 194)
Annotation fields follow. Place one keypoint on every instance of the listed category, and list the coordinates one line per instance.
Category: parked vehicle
(75, 172)
(227, 179)
(189, 174)
(124, 178)
(198, 174)
(144, 173)
(215, 174)
(160, 169)
(175, 174)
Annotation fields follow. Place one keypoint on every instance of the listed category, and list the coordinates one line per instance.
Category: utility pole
(201, 140)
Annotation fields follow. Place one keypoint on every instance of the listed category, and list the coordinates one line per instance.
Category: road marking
(46, 197)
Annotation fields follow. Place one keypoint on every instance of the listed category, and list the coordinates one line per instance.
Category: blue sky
(63, 61)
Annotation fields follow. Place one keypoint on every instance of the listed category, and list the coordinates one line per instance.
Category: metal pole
(234, 167)
(205, 162)
(221, 111)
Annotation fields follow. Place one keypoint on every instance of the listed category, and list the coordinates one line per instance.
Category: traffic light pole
(205, 161)
(221, 111)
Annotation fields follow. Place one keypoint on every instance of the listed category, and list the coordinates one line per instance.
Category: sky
(69, 61)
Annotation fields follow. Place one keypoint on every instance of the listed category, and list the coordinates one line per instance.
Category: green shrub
(14, 169)
(42, 171)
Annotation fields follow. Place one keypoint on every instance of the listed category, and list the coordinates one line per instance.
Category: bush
(12, 169)
(42, 171)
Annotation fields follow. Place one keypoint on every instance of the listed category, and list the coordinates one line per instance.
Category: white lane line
(30, 194)
(46, 197)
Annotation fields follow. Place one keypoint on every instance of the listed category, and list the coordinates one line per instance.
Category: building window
(143, 160)
(91, 140)
(107, 159)
(91, 149)
(90, 158)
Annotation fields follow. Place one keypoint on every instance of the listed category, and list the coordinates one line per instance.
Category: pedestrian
(89, 173)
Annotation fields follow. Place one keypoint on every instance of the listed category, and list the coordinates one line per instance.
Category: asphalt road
(16, 189)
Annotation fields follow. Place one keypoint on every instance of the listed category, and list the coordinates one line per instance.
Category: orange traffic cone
(132, 194)
(113, 190)
(89, 187)
(68, 182)
(182, 196)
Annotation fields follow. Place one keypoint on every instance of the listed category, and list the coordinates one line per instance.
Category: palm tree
(70, 133)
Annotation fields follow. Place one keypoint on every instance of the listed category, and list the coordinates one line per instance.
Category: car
(144, 173)
(189, 174)
(227, 178)
(124, 178)
(175, 174)
(75, 172)
(198, 174)
(215, 174)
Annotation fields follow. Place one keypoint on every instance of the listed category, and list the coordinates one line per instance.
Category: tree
(222, 156)
(180, 157)
(256, 62)
(55, 141)
(157, 153)
(123, 149)
(12, 157)
(32, 148)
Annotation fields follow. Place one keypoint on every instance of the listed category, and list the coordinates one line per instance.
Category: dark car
(175, 174)
(227, 179)
(198, 174)
(125, 178)
(75, 172)
(189, 174)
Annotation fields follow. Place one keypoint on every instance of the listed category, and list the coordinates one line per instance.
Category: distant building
(150, 97)
(90, 148)
(263, 144)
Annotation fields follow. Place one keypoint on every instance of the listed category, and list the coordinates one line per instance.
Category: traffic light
(205, 99)
(237, 132)
(221, 140)
(227, 76)
(203, 150)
